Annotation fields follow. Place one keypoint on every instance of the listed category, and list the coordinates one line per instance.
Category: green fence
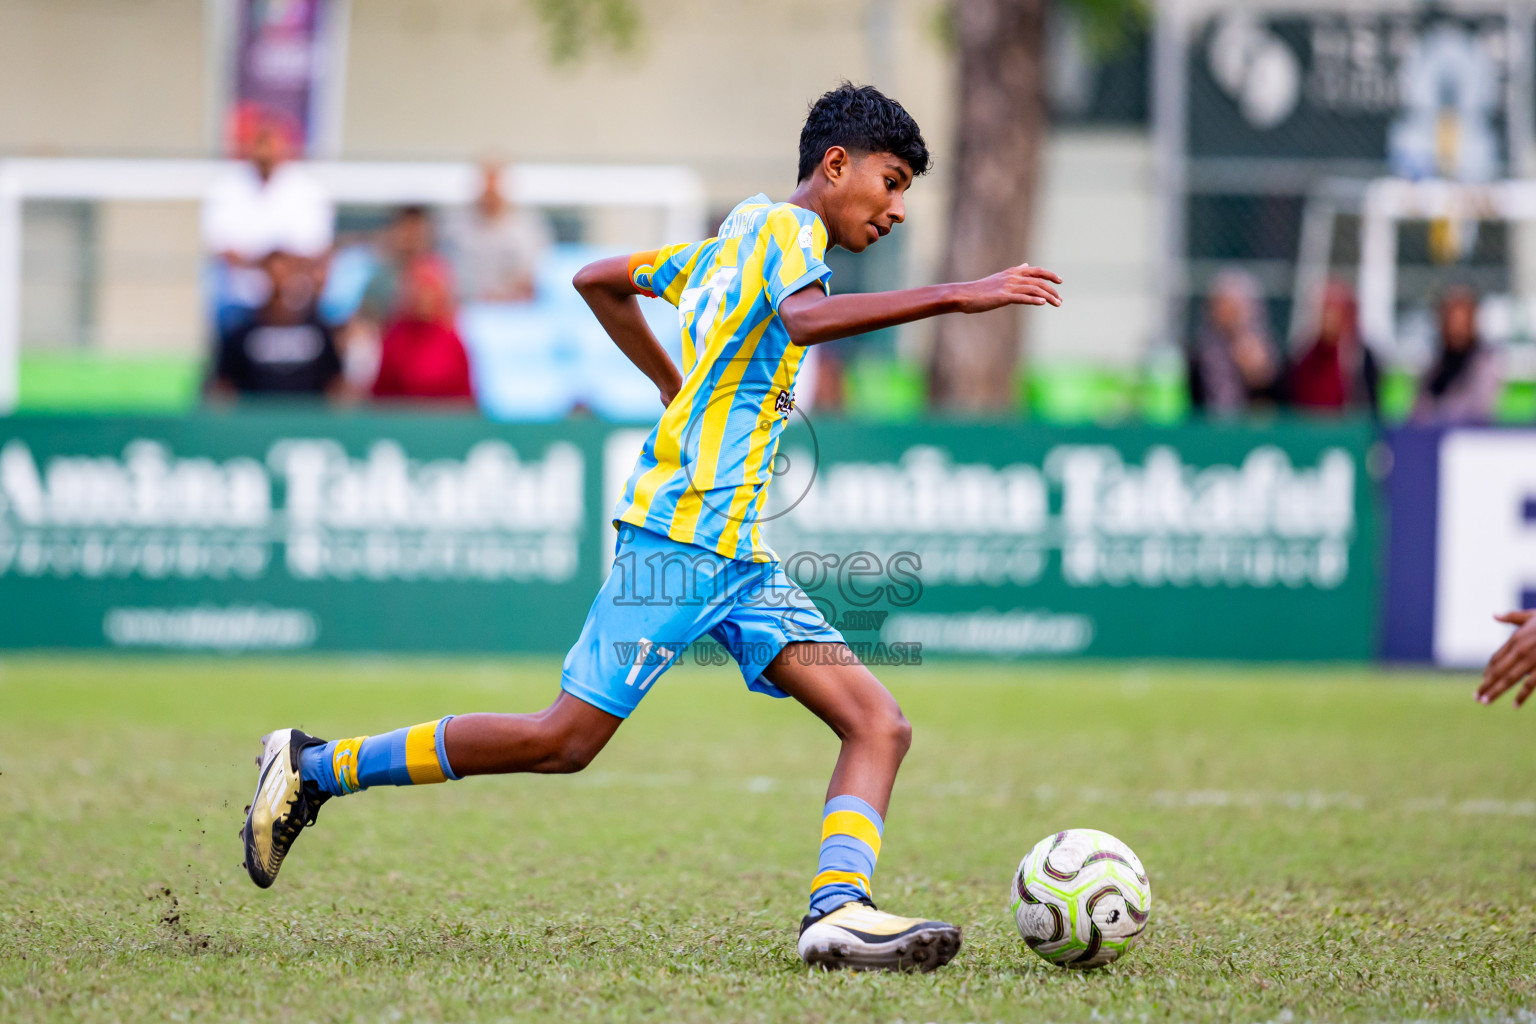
(244, 532)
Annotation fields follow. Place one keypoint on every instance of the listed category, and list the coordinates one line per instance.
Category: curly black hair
(860, 118)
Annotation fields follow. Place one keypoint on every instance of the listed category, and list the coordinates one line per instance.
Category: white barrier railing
(677, 192)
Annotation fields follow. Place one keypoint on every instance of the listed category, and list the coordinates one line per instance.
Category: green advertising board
(270, 532)
(273, 532)
(1202, 541)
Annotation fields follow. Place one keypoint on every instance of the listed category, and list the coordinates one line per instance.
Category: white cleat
(859, 936)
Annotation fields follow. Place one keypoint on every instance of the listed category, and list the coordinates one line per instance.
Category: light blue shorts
(662, 596)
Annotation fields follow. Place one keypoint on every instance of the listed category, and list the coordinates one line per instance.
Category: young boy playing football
(751, 301)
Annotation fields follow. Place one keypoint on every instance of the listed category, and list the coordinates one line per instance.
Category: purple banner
(279, 65)
(1413, 496)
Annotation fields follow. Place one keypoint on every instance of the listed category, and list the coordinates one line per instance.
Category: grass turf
(1338, 845)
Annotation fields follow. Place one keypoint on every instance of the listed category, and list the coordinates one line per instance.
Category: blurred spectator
(1463, 383)
(496, 245)
(421, 355)
(407, 238)
(1336, 373)
(1235, 365)
(261, 205)
(286, 349)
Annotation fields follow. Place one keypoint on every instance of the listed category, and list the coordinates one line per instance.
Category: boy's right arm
(610, 291)
(812, 317)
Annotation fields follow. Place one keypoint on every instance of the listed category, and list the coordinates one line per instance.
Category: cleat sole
(922, 951)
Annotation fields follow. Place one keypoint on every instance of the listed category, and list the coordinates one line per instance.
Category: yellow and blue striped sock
(406, 757)
(850, 845)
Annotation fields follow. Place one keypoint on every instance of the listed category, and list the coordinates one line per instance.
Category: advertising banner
(1019, 541)
(253, 532)
(281, 63)
(270, 532)
(1422, 91)
(1463, 541)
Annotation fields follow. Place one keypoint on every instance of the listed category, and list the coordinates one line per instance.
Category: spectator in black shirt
(287, 349)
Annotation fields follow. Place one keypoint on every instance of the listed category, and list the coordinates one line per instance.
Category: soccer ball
(1081, 898)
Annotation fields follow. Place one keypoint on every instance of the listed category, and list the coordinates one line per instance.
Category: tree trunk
(1001, 127)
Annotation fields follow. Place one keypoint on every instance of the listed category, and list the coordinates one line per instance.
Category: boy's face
(867, 196)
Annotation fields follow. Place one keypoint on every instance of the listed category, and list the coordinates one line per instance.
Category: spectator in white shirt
(261, 205)
(496, 245)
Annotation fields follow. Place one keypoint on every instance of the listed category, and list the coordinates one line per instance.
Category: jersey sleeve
(663, 273)
(797, 241)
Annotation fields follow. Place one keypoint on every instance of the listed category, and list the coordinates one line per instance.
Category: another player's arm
(812, 317)
(611, 293)
(1514, 661)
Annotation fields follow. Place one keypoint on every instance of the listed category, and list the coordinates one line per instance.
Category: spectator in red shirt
(421, 355)
(1336, 372)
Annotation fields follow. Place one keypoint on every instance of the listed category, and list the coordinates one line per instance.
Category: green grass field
(1323, 845)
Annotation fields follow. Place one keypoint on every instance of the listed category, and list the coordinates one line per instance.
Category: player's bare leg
(564, 737)
(838, 689)
(844, 927)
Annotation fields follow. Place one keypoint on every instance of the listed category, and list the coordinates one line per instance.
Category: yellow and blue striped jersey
(704, 470)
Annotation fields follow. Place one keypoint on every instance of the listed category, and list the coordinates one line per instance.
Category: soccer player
(750, 301)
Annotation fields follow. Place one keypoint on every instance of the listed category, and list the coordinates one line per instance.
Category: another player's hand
(1515, 661)
(1022, 285)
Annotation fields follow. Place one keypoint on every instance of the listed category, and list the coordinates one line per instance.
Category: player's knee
(569, 761)
(900, 731)
(570, 753)
(565, 756)
(562, 750)
(889, 729)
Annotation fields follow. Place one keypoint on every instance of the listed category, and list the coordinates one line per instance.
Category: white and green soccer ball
(1081, 898)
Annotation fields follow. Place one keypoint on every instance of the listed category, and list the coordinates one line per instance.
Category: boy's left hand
(1022, 285)
(1514, 661)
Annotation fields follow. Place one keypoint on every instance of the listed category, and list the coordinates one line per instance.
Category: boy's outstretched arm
(609, 291)
(811, 316)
